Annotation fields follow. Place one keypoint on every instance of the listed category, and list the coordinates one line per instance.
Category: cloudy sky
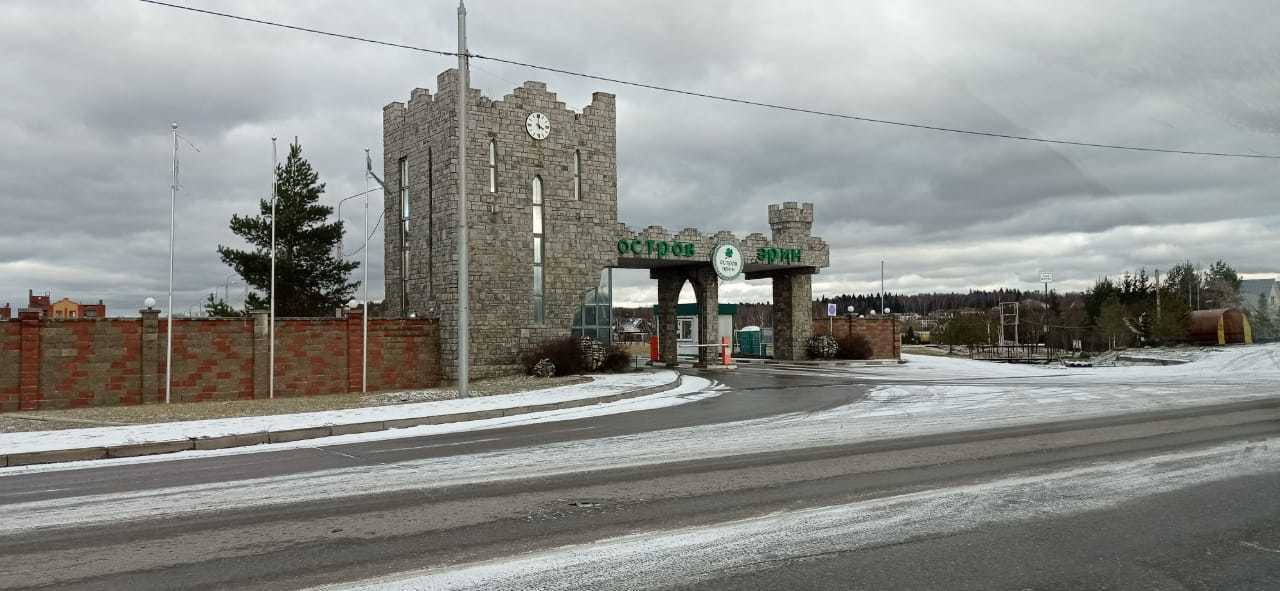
(91, 87)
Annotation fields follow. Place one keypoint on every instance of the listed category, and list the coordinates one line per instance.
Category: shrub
(854, 346)
(822, 347)
(616, 360)
(564, 353)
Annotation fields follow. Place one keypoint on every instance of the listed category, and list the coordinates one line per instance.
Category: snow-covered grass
(599, 386)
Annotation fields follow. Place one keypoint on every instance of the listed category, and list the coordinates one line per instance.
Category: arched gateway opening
(789, 258)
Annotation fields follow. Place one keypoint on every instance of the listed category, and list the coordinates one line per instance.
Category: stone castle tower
(542, 215)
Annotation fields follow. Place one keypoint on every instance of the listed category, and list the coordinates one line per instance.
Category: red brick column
(355, 342)
(29, 362)
(261, 354)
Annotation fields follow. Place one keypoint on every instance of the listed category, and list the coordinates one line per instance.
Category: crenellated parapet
(791, 248)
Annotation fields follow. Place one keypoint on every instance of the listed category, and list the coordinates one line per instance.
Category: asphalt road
(1220, 535)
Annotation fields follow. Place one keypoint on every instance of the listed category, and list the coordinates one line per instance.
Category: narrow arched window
(404, 234)
(493, 166)
(539, 301)
(577, 174)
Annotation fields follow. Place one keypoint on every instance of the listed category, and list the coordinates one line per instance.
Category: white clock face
(538, 125)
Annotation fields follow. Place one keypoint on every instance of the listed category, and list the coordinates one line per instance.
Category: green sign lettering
(772, 255)
(658, 248)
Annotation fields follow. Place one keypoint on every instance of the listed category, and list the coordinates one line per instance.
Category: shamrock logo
(728, 251)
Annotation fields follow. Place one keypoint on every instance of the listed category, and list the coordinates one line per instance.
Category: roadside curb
(300, 434)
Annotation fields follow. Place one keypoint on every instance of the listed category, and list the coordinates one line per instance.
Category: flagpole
(364, 344)
(173, 197)
(271, 328)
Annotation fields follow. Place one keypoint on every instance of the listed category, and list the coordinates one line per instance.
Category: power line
(298, 28)
(728, 99)
(875, 120)
(371, 233)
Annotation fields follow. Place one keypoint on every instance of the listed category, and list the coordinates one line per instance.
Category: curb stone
(150, 448)
(58, 455)
(286, 435)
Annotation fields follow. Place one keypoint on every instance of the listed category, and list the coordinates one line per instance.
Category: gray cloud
(91, 88)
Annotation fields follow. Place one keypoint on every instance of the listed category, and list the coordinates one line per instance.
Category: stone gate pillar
(706, 287)
(669, 284)
(792, 314)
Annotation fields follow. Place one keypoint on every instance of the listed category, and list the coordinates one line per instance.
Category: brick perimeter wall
(74, 363)
(399, 358)
(311, 356)
(882, 333)
(212, 359)
(90, 363)
(10, 362)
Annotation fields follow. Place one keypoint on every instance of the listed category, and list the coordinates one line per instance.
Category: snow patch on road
(687, 556)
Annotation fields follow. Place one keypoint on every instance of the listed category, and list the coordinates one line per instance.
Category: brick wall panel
(89, 363)
(10, 364)
(78, 363)
(880, 332)
(212, 359)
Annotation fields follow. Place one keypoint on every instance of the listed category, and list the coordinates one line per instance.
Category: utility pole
(173, 197)
(271, 327)
(464, 281)
(1157, 295)
(882, 286)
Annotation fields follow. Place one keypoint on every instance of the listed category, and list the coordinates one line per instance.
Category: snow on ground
(600, 385)
(691, 389)
(1021, 395)
(1231, 365)
(685, 556)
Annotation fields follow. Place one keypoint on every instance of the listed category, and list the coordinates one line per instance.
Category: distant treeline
(924, 303)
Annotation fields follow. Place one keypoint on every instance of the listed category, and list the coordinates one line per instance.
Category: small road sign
(832, 310)
(1046, 277)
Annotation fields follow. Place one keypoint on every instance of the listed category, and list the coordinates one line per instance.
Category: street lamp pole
(464, 283)
(271, 327)
(364, 345)
(173, 197)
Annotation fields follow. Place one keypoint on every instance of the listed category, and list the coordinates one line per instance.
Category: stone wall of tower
(579, 233)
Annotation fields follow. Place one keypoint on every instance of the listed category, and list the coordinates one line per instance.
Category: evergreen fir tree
(310, 279)
(216, 307)
(1174, 320)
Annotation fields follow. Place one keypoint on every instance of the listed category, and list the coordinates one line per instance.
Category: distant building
(92, 310)
(633, 330)
(1253, 290)
(64, 309)
(39, 304)
(6, 312)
